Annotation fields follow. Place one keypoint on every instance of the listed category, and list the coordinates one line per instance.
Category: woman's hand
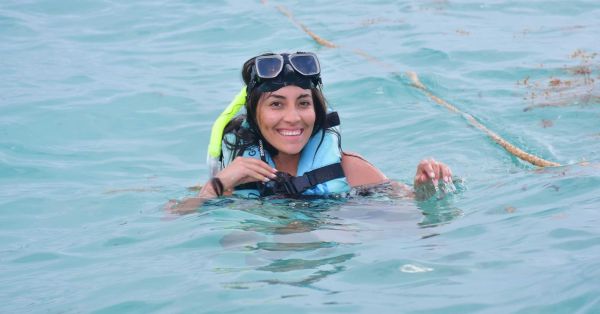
(431, 171)
(241, 170)
(244, 170)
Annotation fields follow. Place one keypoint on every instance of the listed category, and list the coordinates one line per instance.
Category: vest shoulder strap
(291, 185)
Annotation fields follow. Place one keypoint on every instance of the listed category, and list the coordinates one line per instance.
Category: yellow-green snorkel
(216, 135)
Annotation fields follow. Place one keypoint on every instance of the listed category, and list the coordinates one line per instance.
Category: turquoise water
(105, 111)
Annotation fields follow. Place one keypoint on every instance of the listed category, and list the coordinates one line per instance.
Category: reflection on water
(309, 246)
(437, 212)
(312, 239)
(439, 207)
(276, 230)
(284, 265)
(303, 282)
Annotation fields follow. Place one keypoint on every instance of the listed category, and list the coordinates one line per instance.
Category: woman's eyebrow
(283, 97)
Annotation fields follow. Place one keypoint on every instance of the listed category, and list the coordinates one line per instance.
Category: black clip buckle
(284, 184)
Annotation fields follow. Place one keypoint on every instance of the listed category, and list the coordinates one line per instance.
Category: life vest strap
(333, 119)
(290, 185)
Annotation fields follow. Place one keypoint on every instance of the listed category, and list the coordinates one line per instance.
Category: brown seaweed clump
(578, 86)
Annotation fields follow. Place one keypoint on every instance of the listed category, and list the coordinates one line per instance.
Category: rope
(510, 148)
(315, 37)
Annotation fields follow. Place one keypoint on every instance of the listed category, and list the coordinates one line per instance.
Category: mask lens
(305, 64)
(269, 66)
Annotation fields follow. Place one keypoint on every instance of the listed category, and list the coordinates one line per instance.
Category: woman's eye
(276, 104)
(305, 104)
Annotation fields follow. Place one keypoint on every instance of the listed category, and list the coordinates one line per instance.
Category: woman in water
(287, 142)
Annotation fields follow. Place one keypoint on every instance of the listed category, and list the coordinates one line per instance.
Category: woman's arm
(241, 170)
(360, 172)
(187, 206)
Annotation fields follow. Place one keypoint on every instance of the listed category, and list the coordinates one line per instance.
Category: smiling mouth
(290, 132)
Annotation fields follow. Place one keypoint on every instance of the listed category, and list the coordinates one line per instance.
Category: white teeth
(290, 132)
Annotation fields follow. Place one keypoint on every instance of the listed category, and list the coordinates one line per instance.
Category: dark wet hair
(247, 137)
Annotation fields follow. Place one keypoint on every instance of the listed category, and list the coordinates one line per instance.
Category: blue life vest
(315, 155)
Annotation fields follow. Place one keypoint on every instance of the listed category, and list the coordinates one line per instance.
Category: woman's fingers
(260, 172)
(437, 170)
(446, 173)
(430, 170)
(244, 170)
(257, 163)
(264, 166)
(426, 169)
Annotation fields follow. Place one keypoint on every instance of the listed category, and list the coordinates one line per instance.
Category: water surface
(106, 109)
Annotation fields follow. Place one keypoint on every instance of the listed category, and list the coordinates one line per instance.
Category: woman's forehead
(288, 91)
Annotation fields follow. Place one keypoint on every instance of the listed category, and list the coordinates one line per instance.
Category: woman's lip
(290, 132)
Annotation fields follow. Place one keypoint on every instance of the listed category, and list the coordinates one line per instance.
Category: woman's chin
(290, 149)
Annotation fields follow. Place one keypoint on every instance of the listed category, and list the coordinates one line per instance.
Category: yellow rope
(519, 153)
(512, 149)
(315, 37)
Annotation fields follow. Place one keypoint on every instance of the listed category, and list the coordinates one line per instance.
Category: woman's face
(286, 118)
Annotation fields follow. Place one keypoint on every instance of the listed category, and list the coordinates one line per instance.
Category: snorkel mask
(272, 72)
(269, 73)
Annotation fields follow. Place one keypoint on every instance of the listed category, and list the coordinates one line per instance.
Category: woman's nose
(292, 115)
